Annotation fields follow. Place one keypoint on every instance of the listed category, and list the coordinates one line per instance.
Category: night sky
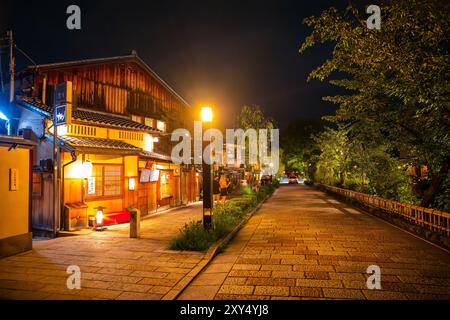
(224, 53)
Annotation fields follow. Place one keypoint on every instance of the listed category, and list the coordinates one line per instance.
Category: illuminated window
(161, 125)
(166, 192)
(149, 122)
(108, 181)
(137, 118)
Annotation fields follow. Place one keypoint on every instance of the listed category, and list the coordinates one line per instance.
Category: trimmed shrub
(194, 237)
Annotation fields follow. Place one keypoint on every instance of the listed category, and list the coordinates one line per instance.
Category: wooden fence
(431, 219)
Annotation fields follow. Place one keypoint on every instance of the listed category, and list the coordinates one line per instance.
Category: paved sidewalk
(113, 266)
(303, 244)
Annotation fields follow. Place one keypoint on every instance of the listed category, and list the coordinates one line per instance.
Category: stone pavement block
(288, 274)
(20, 276)
(313, 268)
(255, 267)
(355, 284)
(235, 280)
(317, 275)
(306, 292)
(65, 297)
(173, 270)
(158, 282)
(257, 261)
(276, 267)
(98, 293)
(271, 290)
(201, 292)
(113, 271)
(90, 283)
(159, 289)
(174, 276)
(218, 267)
(426, 296)
(25, 295)
(383, 295)
(270, 282)
(236, 289)
(223, 296)
(433, 289)
(21, 285)
(120, 286)
(398, 287)
(139, 296)
(343, 294)
(210, 279)
(348, 276)
(319, 283)
(149, 274)
(245, 273)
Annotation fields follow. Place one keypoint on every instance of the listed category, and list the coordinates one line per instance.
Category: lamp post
(206, 116)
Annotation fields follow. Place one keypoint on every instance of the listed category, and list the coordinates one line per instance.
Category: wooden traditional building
(116, 152)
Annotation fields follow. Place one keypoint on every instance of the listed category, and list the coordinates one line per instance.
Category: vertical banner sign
(63, 104)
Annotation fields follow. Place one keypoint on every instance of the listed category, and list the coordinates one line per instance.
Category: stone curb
(176, 291)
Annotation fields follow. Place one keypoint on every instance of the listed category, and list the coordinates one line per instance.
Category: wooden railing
(434, 220)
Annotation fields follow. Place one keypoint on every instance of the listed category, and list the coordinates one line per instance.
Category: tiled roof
(156, 156)
(87, 116)
(97, 143)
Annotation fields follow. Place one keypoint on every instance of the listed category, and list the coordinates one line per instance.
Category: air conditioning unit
(46, 165)
(26, 133)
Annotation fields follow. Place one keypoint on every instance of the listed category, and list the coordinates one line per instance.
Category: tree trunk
(436, 182)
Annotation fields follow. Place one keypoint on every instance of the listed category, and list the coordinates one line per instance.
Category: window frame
(96, 197)
(41, 181)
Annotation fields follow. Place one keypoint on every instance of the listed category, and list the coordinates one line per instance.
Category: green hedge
(193, 237)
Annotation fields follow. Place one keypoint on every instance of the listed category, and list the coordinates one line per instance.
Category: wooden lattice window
(108, 181)
(37, 184)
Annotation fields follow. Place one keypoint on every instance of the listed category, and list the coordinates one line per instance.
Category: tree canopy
(398, 82)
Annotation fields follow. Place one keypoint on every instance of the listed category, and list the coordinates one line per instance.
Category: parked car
(284, 180)
(293, 180)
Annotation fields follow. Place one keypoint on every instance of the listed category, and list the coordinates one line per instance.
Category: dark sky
(225, 53)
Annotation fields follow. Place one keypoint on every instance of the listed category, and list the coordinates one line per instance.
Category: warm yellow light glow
(148, 143)
(62, 130)
(99, 217)
(206, 114)
(155, 139)
(86, 170)
(131, 184)
(79, 170)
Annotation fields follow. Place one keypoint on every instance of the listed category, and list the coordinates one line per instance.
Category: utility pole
(11, 66)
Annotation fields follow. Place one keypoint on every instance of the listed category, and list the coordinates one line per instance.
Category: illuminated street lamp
(207, 116)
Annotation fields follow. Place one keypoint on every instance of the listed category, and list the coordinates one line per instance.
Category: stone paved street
(303, 244)
(113, 266)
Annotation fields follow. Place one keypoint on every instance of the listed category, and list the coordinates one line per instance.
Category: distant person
(216, 189)
(224, 184)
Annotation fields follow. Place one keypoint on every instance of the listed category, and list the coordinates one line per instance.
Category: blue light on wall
(3, 117)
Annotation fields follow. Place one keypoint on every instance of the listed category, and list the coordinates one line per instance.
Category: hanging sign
(63, 104)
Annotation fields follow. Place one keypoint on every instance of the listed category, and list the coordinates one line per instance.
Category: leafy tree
(253, 117)
(398, 81)
(300, 151)
(333, 163)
